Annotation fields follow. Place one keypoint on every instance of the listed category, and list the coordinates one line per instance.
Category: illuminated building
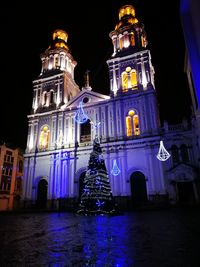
(11, 177)
(65, 121)
(189, 11)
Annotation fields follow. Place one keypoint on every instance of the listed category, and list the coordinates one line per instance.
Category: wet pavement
(162, 238)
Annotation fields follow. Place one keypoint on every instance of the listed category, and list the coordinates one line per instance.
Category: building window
(44, 98)
(184, 153)
(5, 183)
(132, 39)
(133, 79)
(44, 138)
(132, 124)
(85, 132)
(175, 154)
(51, 97)
(124, 81)
(129, 79)
(121, 41)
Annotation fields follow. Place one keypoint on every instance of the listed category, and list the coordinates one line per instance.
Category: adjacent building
(189, 14)
(146, 161)
(11, 177)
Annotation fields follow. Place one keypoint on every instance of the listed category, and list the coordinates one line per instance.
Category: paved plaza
(159, 238)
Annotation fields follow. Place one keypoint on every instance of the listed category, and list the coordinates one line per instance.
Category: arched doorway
(185, 193)
(42, 194)
(138, 188)
(81, 180)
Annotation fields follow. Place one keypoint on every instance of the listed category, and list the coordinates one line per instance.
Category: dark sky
(26, 32)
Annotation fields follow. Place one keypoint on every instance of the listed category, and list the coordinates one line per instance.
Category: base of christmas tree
(96, 212)
(93, 206)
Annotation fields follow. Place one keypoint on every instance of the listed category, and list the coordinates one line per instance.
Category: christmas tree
(96, 197)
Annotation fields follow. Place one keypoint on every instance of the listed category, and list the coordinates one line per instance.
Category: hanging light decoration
(163, 154)
(115, 170)
(95, 125)
(80, 116)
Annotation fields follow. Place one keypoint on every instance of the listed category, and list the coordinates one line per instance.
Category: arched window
(133, 79)
(129, 79)
(44, 98)
(175, 154)
(44, 138)
(121, 41)
(124, 81)
(184, 153)
(142, 41)
(132, 124)
(51, 97)
(132, 39)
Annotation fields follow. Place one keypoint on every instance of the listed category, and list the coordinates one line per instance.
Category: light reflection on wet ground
(167, 238)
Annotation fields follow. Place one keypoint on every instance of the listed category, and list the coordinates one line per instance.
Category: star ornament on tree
(163, 154)
(99, 203)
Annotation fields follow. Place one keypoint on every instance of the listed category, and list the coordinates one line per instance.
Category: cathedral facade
(145, 160)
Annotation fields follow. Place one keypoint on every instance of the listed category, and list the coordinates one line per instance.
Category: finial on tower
(87, 80)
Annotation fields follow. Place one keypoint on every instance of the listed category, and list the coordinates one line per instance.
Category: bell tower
(131, 72)
(55, 85)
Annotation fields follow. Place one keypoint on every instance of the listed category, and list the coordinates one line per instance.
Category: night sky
(26, 32)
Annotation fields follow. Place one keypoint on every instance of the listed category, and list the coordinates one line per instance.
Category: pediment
(87, 97)
(182, 173)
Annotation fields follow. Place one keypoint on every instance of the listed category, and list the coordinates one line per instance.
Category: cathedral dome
(59, 40)
(126, 16)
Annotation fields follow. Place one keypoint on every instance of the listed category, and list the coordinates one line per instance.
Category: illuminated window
(143, 41)
(129, 129)
(129, 79)
(61, 45)
(44, 138)
(132, 39)
(56, 61)
(126, 41)
(121, 42)
(124, 81)
(133, 78)
(132, 124)
(136, 125)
